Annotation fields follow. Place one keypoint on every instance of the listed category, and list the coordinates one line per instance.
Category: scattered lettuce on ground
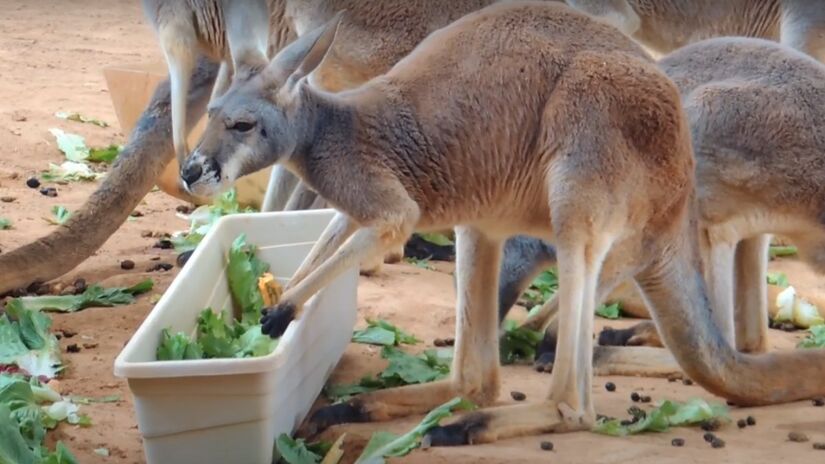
(403, 369)
(5, 223)
(815, 337)
(777, 251)
(70, 171)
(777, 278)
(77, 117)
(419, 263)
(220, 335)
(59, 215)
(612, 311)
(93, 296)
(25, 342)
(659, 419)
(381, 332)
(436, 239)
(28, 410)
(518, 344)
(75, 149)
(385, 444)
(204, 217)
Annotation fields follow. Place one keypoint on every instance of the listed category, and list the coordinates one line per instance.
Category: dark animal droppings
(635, 397)
(645, 399)
(819, 446)
(610, 386)
(751, 420)
(518, 396)
(73, 348)
(717, 443)
(741, 423)
(709, 437)
(33, 182)
(678, 442)
(547, 445)
(49, 192)
(797, 437)
(819, 402)
(127, 264)
(687, 382)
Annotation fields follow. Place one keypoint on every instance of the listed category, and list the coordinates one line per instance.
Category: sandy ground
(51, 60)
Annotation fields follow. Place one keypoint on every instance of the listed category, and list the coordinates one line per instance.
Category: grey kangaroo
(518, 118)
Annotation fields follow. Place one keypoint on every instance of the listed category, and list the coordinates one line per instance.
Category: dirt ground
(51, 59)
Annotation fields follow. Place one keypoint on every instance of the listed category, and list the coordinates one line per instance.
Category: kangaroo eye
(242, 126)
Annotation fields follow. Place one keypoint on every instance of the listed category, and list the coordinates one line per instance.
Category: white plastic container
(231, 410)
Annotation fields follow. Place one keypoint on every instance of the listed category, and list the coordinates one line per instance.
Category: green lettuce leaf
(815, 338)
(542, 288)
(295, 451)
(5, 223)
(384, 444)
(436, 239)
(203, 218)
(255, 343)
(177, 347)
(518, 343)
(94, 296)
(216, 337)
(609, 311)
(667, 414)
(105, 155)
(381, 332)
(77, 117)
(243, 272)
(72, 145)
(70, 171)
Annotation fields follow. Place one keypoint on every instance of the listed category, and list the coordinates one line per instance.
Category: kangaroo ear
(247, 34)
(302, 56)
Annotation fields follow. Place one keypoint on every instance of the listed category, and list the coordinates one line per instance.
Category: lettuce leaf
(94, 296)
(382, 333)
(659, 419)
(385, 444)
(243, 272)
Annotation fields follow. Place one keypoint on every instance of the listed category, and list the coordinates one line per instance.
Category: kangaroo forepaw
(275, 320)
(335, 414)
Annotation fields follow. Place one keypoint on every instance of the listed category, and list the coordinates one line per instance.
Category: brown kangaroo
(755, 109)
(373, 37)
(513, 119)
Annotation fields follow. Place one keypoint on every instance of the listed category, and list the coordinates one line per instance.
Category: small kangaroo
(755, 109)
(513, 119)
(387, 31)
(234, 32)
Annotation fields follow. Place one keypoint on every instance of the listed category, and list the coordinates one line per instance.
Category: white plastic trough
(231, 410)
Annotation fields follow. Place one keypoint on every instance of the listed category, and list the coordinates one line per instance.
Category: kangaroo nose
(191, 173)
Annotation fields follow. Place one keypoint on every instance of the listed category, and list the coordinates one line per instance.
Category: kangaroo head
(260, 120)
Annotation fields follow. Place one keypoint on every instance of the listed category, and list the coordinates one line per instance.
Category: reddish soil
(51, 58)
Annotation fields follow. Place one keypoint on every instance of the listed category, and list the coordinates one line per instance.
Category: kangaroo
(513, 119)
(756, 174)
(388, 31)
(222, 30)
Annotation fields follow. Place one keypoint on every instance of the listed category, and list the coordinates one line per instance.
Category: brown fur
(514, 119)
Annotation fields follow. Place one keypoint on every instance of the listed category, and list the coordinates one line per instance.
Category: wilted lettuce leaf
(665, 415)
(384, 444)
(70, 171)
(72, 145)
(94, 296)
(777, 278)
(381, 332)
(5, 223)
(77, 117)
(105, 154)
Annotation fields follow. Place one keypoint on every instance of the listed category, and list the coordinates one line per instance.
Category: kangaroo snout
(201, 175)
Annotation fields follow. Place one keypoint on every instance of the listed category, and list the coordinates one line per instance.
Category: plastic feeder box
(231, 410)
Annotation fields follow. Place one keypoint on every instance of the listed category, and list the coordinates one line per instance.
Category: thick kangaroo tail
(132, 175)
(675, 292)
